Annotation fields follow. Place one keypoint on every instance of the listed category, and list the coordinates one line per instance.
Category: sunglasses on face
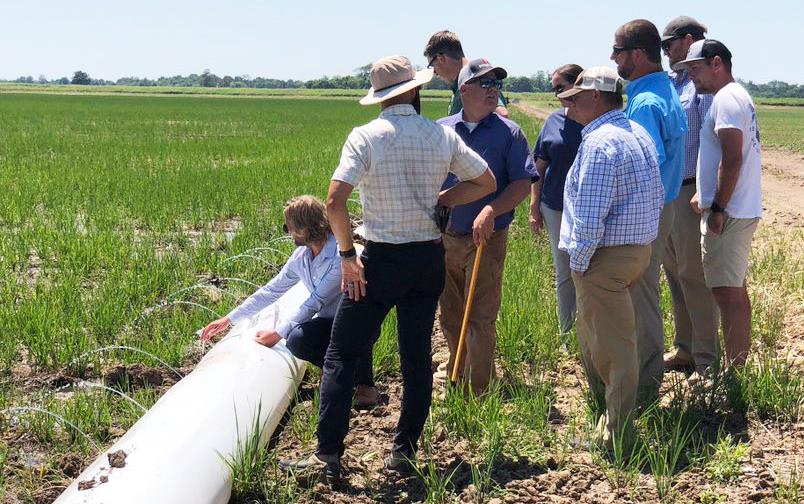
(621, 49)
(667, 43)
(431, 62)
(489, 83)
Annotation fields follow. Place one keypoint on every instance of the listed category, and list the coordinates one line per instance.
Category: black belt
(403, 245)
(688, 181)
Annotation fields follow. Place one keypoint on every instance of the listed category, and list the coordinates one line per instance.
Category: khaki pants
(606, 328)
(694, 309)
(648, 316)
(477, 361)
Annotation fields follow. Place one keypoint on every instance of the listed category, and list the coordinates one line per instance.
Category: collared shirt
(613, 194)
(654, 104)
(322, 277)
(557, 145)
(399, 162)
(456, 105)
(696, 106)
(502, 144)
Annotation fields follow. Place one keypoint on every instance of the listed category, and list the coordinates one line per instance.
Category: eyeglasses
(621, 49)
(489, 83)
(559, 89)
(666, 43)
(431, 62)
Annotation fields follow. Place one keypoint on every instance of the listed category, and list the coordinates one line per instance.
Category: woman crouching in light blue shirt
(317, 264)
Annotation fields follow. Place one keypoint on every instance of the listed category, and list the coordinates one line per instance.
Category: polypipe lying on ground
(176, 452)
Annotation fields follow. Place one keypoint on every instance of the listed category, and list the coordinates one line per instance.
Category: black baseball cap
(704, 50)
(683, 26)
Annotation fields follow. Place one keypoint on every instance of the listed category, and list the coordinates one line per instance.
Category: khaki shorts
(725, 256)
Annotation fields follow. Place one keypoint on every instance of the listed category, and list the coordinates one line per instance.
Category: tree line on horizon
(535, 83)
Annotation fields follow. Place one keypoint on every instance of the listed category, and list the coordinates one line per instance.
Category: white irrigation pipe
(176, 452)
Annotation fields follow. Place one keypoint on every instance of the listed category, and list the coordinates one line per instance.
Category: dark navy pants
(309, 341)
(409, 277)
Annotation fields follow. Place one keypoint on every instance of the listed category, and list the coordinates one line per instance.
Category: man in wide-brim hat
(399, 161)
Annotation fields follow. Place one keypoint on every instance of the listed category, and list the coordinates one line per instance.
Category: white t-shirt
(732, 107)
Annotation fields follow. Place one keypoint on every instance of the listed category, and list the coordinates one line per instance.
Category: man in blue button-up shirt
(654, 104)
(694, 310)
(612, 199)
(502, 144)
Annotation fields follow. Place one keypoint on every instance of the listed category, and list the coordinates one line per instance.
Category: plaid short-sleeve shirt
(399, 161)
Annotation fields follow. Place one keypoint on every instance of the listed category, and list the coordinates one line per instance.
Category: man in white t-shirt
(728, 195)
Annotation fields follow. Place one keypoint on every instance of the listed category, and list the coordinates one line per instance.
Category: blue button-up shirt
(502, 144)
(322, 277)
(696, 106)
(613, 194)
(653, 103)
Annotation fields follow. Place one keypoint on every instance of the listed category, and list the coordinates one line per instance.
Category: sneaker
(326, 468)
(366, 397)
(398, 461)
(678, 360)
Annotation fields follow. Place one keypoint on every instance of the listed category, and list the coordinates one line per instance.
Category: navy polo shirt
(502, 144)
(557, 144)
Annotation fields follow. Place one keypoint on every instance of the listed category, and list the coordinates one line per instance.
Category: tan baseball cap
(392, 76)
(600, 78)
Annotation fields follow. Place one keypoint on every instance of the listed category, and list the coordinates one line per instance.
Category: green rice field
(135, 220)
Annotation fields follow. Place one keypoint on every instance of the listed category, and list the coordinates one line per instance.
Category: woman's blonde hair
(307, 215)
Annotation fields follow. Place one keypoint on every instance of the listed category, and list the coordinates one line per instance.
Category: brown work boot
(366, 397)
(678, 360)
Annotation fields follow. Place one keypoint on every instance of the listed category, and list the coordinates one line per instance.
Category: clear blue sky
(307, 39)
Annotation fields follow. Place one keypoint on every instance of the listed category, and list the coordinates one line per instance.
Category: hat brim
(684, 64)
(570, 92)
(422, 77)
(671, 36)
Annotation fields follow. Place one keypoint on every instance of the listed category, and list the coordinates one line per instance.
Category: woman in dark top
(554, 154)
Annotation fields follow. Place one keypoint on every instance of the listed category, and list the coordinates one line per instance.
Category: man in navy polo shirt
(502, 144)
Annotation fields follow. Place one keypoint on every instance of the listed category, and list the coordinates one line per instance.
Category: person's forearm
(536, 193)
(468, 190)
(536, 187)
(510, 197)
(338, 214)
(727, 176)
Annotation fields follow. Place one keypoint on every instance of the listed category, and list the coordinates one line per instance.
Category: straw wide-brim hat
(393, 76)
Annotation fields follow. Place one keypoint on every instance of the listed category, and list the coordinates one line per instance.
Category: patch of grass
(789, 491)
(304, 421)
(437, 482)
(727, 456)
(772, 388)
(248, 462)
(667, 441)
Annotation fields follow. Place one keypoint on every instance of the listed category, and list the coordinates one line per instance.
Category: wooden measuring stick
(469, 299)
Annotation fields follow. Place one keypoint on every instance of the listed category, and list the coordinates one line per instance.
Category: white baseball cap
(599, 78)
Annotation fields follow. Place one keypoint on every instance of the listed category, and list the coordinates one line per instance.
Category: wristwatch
(346, 254)
(716, 208)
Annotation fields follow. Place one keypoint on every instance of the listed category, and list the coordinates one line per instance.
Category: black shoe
(324, 468)
(398, 461)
